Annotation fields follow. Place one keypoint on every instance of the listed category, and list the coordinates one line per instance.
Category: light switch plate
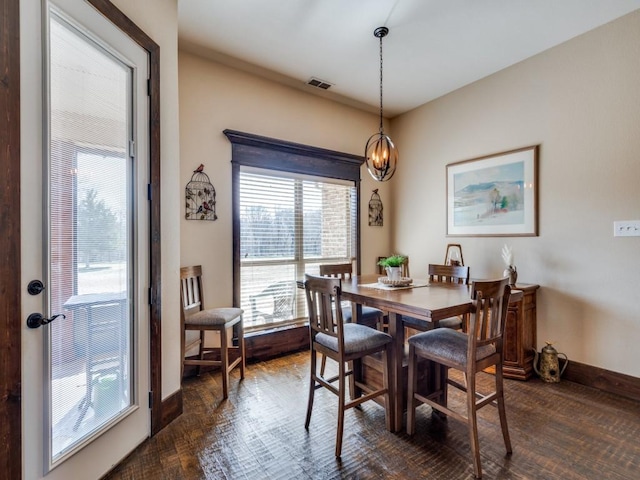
(626, 228)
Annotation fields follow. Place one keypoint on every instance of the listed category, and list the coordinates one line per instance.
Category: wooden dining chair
(371, 317)
(469, 353)
(193, 316)
(344, 271)
(449, 274)
(442, 274)
(344, 343)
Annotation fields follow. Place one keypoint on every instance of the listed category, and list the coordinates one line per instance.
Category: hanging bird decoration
(200, 197)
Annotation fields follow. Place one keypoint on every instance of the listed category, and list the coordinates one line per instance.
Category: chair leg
(182, 353)
(224, 359)
(444, 378)
(501, 408)
(323, 364)
(240, 333)
(341, 403)
(200, 351)
(412, 382)
(312, 387)
(389, 400)
(473, 424)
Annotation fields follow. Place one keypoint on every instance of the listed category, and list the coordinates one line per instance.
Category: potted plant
(393, 266)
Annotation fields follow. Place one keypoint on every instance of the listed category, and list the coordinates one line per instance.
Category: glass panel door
(90, 238)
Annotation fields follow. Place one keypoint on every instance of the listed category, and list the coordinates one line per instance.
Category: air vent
(316, 82)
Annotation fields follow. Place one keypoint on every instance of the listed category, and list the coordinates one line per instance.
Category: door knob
(36, 320)
(35, 287)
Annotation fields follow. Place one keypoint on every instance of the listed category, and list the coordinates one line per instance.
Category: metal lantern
(380, 154)
(375, 210)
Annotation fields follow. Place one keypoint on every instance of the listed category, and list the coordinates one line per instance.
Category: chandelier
(380, 153)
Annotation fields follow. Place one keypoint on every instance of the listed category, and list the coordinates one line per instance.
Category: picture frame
(494, 195)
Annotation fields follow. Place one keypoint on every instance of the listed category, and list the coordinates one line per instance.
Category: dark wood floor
(559, 431)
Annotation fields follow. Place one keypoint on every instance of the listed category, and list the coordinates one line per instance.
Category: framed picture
(495, 195)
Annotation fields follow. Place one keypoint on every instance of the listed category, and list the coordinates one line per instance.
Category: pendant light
(380, 153)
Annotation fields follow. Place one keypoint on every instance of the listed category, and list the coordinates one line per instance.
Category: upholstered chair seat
(357, 339)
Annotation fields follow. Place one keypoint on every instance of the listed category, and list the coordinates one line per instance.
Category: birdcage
(200, 197)
(375, 210)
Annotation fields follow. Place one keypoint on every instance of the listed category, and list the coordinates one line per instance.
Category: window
(295, 207)
(289, 224)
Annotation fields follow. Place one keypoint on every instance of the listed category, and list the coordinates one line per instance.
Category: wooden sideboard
(520, 335)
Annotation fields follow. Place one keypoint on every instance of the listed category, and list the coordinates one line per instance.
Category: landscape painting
(495, 195)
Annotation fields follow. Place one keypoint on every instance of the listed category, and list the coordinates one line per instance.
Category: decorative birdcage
(200, 197)
(375, 210)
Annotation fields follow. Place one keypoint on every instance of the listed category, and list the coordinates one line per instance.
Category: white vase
(394, 273)
(512, 273)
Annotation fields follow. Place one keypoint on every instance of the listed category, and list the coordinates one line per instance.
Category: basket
(402, 282)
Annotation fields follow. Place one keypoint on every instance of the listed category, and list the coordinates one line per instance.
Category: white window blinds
(289, 224)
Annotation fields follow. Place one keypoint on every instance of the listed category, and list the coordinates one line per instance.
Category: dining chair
(442, 274)
(371, 317)
(193, 316)
(344, 271)
(343, 342)
(469, 353)
(449, 274)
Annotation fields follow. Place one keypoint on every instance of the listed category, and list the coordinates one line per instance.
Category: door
(85, 353)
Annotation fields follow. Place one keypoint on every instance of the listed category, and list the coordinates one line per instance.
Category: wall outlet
(626, 228)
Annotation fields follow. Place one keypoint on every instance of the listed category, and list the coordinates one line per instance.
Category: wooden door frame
(11, 315)
(10, 273)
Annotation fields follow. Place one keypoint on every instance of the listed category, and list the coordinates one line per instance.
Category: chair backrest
(449, 274)
(322, 294)
(405, 267)
(191, 290)
(343, 271)
(488, 316)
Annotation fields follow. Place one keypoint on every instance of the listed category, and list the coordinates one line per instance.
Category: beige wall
(214, 97)
(159, 20)
(581, 102)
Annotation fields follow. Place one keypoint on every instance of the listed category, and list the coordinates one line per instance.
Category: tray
(402, 282)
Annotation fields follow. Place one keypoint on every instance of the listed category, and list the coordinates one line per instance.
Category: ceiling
(433, 46)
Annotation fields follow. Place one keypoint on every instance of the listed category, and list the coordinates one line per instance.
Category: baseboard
(266, 344)
(170, 409)
(605, 380)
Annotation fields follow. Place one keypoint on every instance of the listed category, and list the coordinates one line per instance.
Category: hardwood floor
(559, 431)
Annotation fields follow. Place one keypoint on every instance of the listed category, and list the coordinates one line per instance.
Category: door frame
(11, 282)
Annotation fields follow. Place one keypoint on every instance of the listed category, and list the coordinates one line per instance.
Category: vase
(512, 273)
(394, 273)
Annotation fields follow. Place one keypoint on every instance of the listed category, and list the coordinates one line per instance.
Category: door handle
(36, 320)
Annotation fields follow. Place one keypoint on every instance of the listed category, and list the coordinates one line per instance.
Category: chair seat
(357, 338)
(448, 344)
(214, 316)
(368, 313)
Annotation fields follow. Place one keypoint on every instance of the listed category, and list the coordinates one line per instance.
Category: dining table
(419, 305)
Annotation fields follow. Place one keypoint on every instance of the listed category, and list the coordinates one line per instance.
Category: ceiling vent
(316, 82)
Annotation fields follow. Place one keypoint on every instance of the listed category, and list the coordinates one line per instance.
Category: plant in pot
(393, 266)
